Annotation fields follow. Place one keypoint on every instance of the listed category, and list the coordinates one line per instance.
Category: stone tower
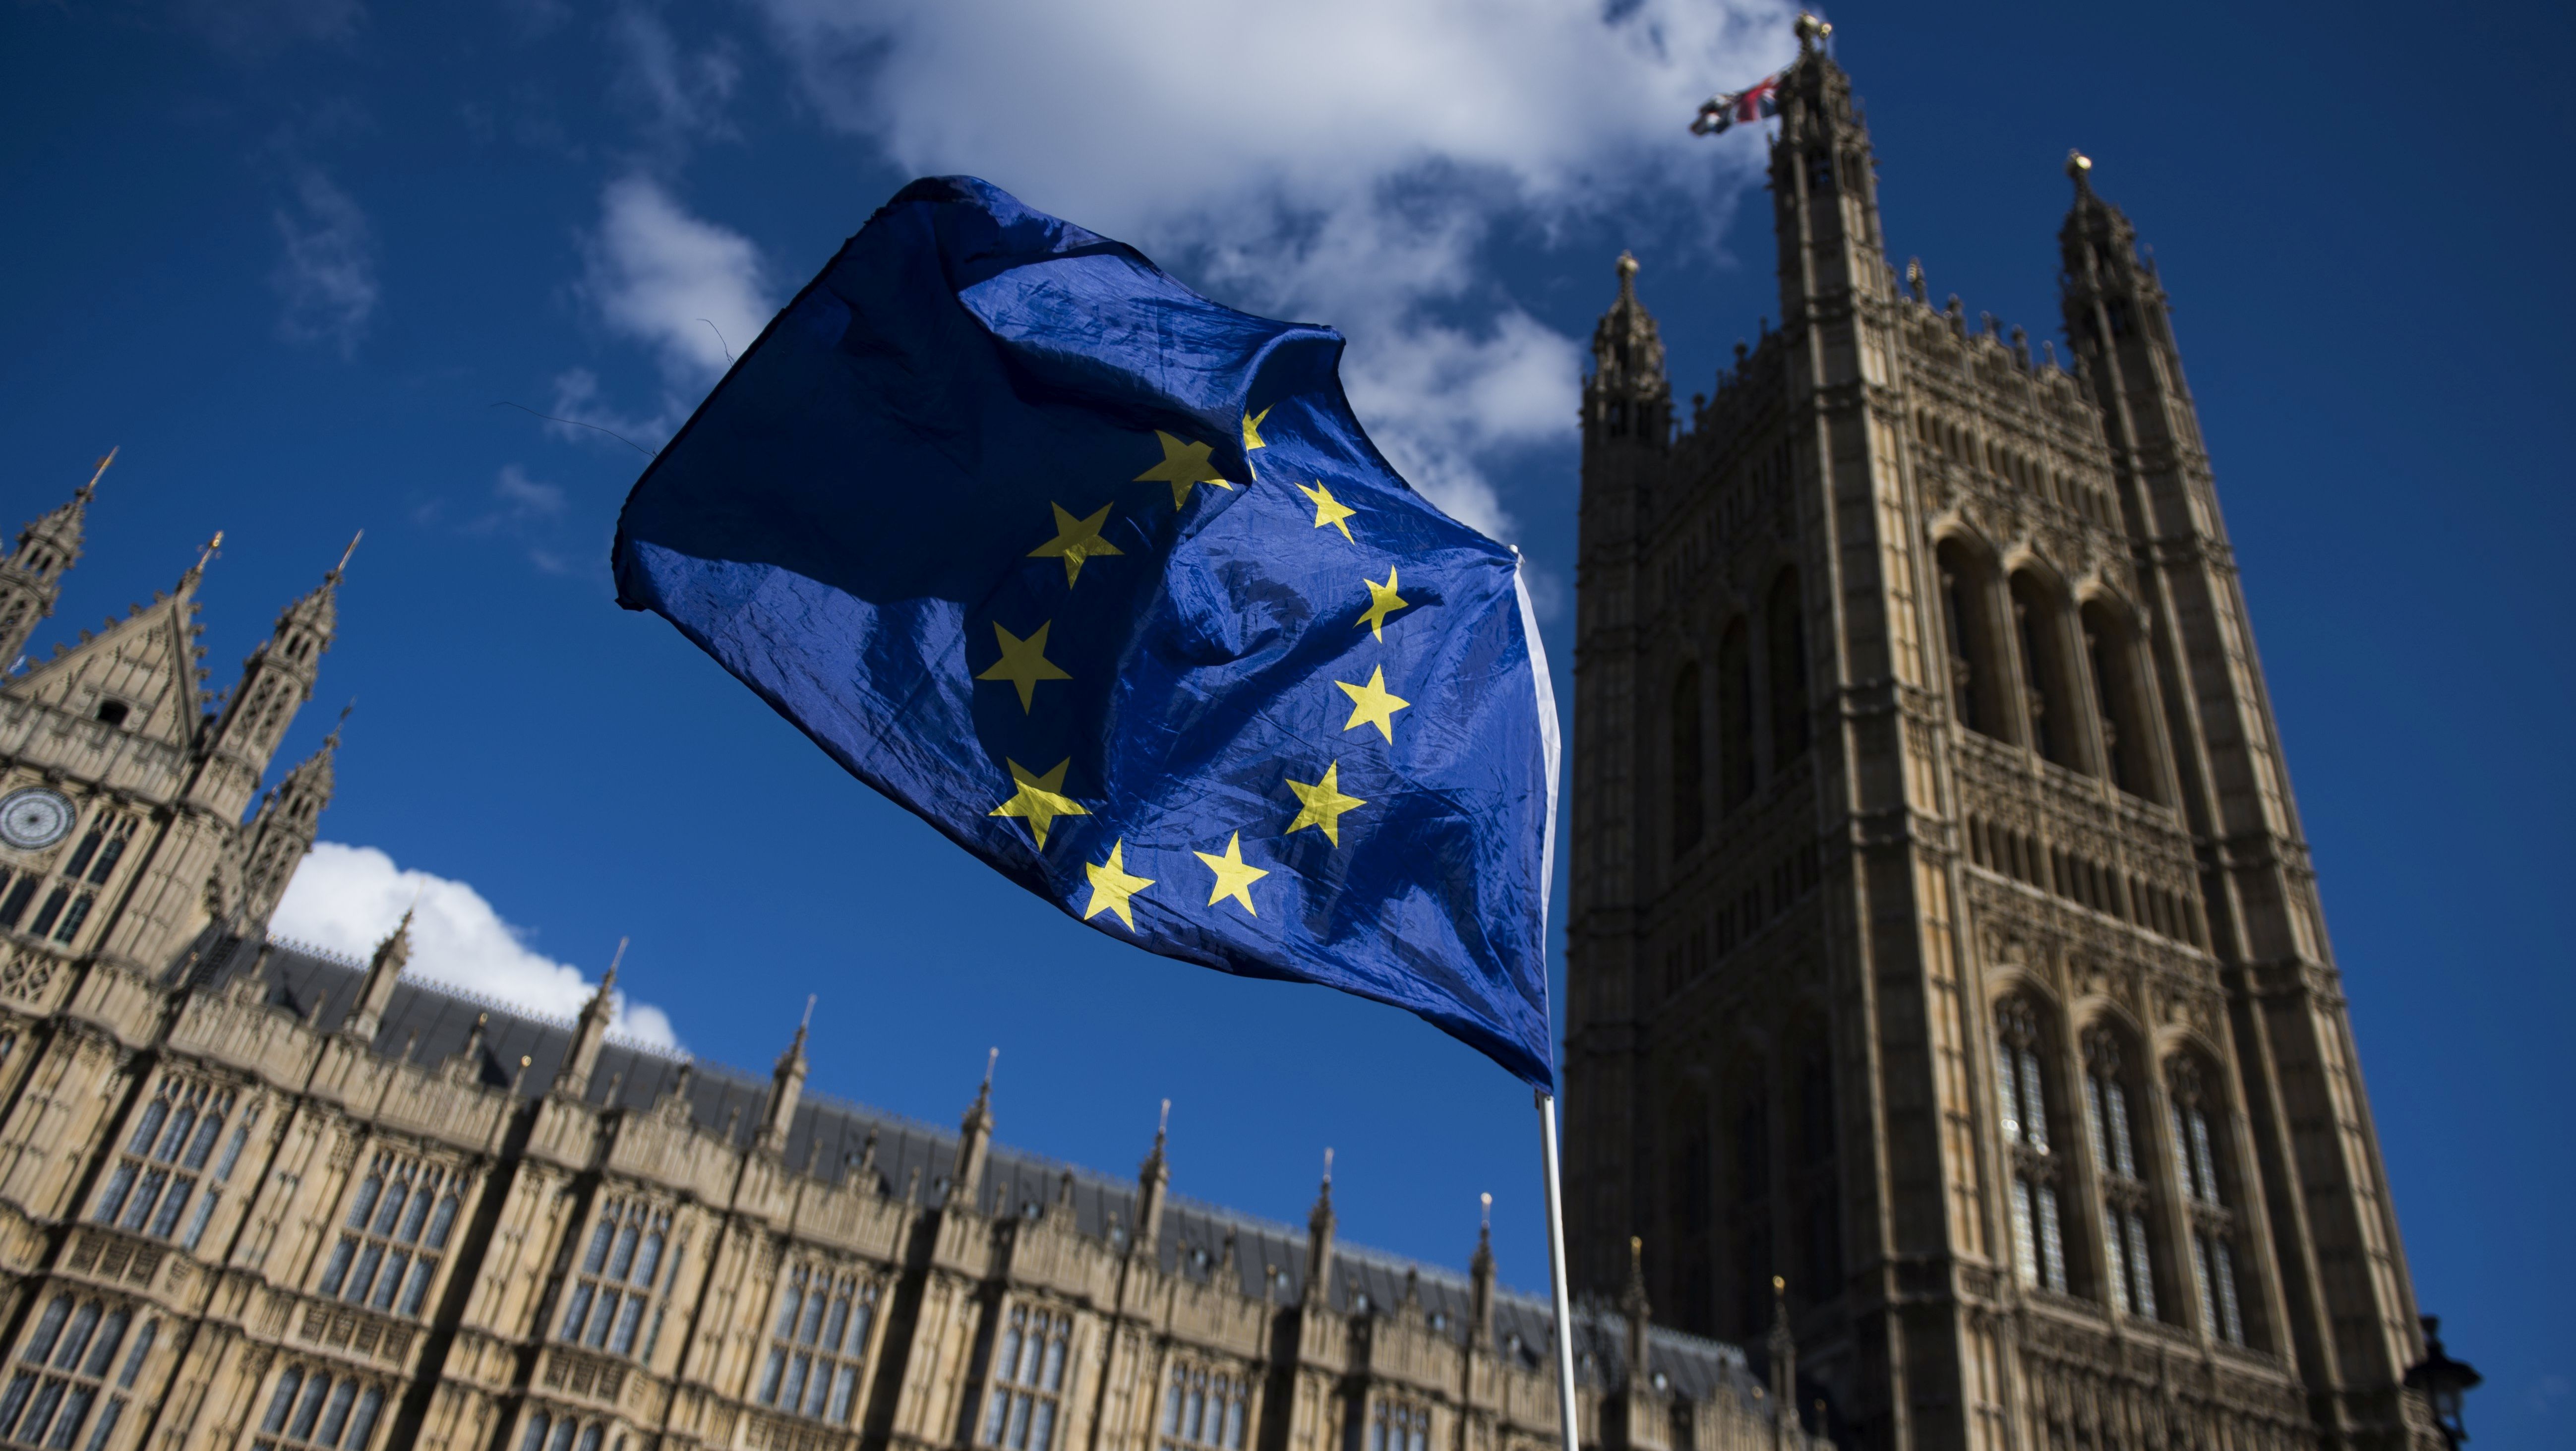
(1944, 940)
(31, 575)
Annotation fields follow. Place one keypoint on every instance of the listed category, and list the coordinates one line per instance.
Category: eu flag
(1104, 581)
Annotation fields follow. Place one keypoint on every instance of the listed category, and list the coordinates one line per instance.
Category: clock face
(34, 818)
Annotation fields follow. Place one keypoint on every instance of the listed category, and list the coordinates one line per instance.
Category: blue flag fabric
(1105, 582)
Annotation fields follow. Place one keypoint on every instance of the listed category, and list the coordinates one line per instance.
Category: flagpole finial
(1488, 1201)
(90, 488)
(1328, 1168)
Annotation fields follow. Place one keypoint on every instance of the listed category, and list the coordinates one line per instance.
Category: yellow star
(1111, 886)
(1233, 878)
(1024, 663)
(1040, 799)
(1329, 510)
(1075, 541)
(1324, 804)
(1184, 466)
(1383, 601)
(1372, 703)
(1252, 430)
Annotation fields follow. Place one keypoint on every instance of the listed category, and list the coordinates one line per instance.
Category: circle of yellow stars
(1038, 798)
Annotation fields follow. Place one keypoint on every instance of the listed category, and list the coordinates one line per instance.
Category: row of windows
(563, 1433)
(822, 1338)
(165, 1164)
(2056, 486)
(319, 1411)
(1784, 695)
(75, 891)
(2019, 632)
(398, 1225)
(2083, 881)
(2136, 1259)
(63, 1376)
(621, 1277)
(1770, 893)
(1201, 1410)
(1028, 1377)
(1397, 1426)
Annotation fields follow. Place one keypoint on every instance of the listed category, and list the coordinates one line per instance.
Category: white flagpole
(1556, 1270)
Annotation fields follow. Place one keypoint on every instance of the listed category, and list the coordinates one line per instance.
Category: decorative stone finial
(84, 492)
(1811, 31)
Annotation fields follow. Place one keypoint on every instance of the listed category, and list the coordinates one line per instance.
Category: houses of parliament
(1943, 938)
(1955, 1057)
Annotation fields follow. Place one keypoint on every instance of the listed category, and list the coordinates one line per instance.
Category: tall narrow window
(1977, 676)
(1689, 790)
(1734, 716)
(2111, 649)
(1398, 1426)
(2213, 1224)
(1818, 1184)
(169, 1179)
(73, 1375)
(396, 1233)
(1027, 1380)
(2126, 1203)
(621, 1277)
(2055, 715)
(1203, 1411)
(318, 1410)
(1784, 617)
(2021, 1092)
(819, 1343)
(1751, 1212)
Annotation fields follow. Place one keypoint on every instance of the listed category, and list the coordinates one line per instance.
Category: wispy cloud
(326, 277)
(680, 93)
(252, 28)
(690, 291)
(348, 898)
(1344, 160)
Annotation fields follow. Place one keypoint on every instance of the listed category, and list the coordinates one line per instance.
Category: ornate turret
(1480, 1280)
(376, 991)
(1824, 196)
(589, 1031)
(277, 678)
(1153, 1180)
(786, 1086)
(1318, 1292)
(1628, 397)
(31, 574)
(974, 1138)
(1639, 1312)
(1783, 1350)
(278, 839)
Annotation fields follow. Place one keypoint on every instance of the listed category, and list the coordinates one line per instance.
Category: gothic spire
(589, 1031)
(31, 574)
(974, 1138)
(1640, 1313)
(1628, 395)
(787, 1085)
(1153, 1181)
(1318, 1293)
(283, 831)
(376, 992)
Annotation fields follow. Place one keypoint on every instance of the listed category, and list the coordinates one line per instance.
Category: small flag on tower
(1754, 103)
(1105, 582)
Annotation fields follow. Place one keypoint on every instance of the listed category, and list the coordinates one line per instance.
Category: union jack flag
(1724, 109)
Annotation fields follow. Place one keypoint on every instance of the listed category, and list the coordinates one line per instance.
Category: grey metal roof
(429, 1022)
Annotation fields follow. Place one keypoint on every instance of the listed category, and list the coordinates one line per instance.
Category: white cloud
(522, 497)
(1343, 160)
(348, 898)
(692, 292)
(328, 276)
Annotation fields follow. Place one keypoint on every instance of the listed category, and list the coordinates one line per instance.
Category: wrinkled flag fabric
(1104, 581)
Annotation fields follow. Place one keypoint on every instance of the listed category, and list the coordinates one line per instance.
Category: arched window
(1689, 792)
(2125, 1199)
(2213, 1225)
(2021, 1092)
(1977, 689)
(1784, 619)
(2112, 650)
(2039, 628)
(1734, 716)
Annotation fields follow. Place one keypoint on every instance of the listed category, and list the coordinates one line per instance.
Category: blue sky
(291, 254)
